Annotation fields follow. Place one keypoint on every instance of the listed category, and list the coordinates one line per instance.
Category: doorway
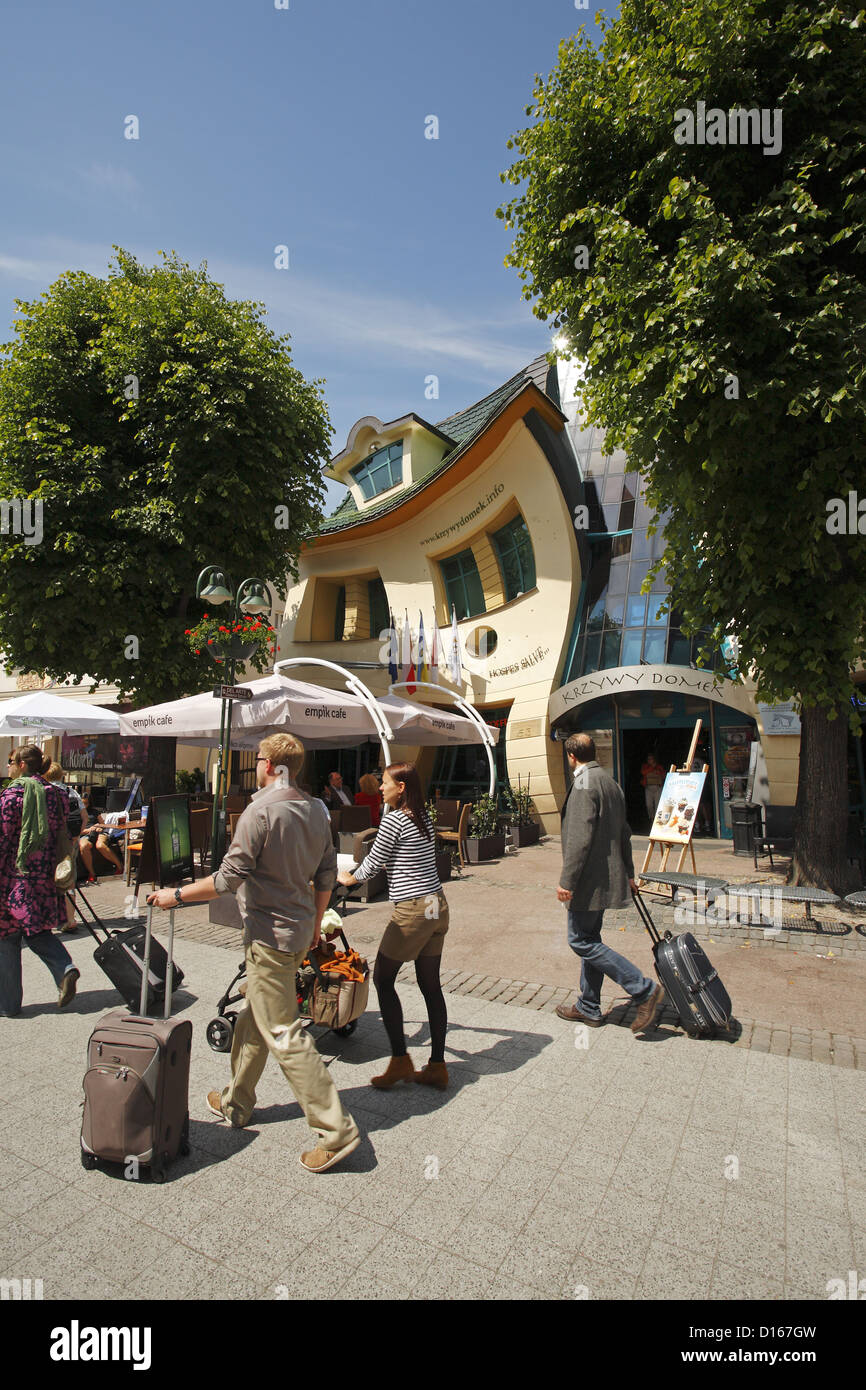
(670, 746)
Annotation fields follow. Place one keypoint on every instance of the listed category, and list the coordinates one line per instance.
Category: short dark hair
(580, 746)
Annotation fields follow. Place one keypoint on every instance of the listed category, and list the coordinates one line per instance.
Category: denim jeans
(584, 938)
(47, 946)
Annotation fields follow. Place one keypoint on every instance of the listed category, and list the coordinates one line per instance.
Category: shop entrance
(670, 746)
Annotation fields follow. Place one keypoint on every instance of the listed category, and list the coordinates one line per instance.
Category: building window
(516, 559)
(380, 619)
(340, 614)
(463, 589)
(379, 472)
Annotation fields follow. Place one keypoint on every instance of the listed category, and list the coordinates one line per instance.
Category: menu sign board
(678, 807)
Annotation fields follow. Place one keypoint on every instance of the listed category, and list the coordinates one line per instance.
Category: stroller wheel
(220, 1032)
(348, 1030)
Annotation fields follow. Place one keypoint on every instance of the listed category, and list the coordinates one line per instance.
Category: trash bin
(745, 823)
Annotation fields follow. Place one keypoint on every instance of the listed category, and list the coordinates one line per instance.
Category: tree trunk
(821, 817)
(159, 775)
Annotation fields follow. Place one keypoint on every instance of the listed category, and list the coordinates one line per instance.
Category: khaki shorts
(417, 928)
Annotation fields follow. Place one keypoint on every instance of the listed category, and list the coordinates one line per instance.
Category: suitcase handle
(148, 933)
(643, 914)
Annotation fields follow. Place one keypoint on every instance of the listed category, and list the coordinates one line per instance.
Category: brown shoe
(214, 1103)
(320, 1160)
(68, 987)
(571, 1014)
(398, 1069)
(646, 1012)
(434, 1074)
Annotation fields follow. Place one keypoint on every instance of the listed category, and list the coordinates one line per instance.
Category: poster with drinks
(173, 839)
(678, 807)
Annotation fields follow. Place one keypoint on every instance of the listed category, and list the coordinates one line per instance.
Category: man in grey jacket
(281, 843)
(597, 873)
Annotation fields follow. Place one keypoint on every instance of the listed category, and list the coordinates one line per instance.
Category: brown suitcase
(136, 1087)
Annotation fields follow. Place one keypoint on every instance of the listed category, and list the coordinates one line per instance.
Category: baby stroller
(335, 997)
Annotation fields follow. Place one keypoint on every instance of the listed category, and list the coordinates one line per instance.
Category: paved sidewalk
(559, 1165)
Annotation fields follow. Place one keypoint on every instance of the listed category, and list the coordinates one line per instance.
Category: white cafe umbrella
(44, 714)
(279, 705)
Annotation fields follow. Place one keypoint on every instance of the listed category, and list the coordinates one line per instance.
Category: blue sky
(303, 127)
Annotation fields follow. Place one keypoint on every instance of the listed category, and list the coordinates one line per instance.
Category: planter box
(443, 864)
(479, 850)
(525, 834)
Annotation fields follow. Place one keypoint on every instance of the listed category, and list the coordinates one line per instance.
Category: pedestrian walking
(281, 843)
(405, 847)
(597, 873)
(32, 812)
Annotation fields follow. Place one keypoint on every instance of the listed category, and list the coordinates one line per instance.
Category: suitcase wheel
(220, 1032)
(88, 1160)
(348, 1030)
(157, 1170)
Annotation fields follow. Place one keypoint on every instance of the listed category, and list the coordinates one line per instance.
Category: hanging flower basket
(248, 639)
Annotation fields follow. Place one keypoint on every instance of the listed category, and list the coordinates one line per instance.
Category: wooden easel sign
(677, 810)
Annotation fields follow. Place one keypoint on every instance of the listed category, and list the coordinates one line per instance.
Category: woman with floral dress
(31, 814)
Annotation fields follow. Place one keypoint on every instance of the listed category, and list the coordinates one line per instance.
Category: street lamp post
(214, 587)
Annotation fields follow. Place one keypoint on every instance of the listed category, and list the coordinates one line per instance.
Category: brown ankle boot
(399, 1069)
(434, 1074)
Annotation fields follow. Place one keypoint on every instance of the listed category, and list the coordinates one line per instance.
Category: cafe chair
(458, 836)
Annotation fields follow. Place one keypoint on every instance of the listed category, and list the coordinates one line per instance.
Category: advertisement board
(678, 807)
(166, 851)
(103, 753)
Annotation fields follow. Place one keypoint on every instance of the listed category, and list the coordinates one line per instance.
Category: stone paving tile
(451, 1278)
(588, 1279)
(730, 1282)
(672, 1273)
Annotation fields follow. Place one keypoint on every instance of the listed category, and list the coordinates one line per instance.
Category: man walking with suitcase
(281, 842)
(597, 873)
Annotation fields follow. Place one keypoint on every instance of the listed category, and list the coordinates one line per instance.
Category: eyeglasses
(262, 759)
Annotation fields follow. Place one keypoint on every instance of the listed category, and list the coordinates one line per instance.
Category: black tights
(427, 975)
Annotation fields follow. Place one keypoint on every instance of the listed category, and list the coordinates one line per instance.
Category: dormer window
(381, 471)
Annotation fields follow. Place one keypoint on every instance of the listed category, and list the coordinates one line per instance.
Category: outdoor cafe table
(691, 882)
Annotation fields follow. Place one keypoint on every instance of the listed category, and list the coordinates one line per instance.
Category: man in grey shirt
(281, 843)
(597, 873)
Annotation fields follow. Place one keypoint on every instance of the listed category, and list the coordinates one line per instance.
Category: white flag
(455, 666)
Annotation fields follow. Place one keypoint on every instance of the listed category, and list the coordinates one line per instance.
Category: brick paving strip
(808, 1044)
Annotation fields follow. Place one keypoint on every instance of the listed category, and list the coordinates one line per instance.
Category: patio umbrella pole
(216, 839)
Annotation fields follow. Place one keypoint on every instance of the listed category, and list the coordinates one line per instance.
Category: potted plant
(484, 840)
(443, 855)
(245, 639)
(524, 830)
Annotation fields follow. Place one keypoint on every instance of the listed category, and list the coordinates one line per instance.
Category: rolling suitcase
(692, 985)
(136, 1087)
(120, 954)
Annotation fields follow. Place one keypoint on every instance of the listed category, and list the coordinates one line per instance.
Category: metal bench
(691, 882)
(809, 897)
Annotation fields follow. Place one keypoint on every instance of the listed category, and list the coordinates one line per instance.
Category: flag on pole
(408, 664)
(434, 654)
(393, 673)
(454, 664)
(423, 668)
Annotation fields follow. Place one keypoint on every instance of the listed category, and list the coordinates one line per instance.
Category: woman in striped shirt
(405, 847)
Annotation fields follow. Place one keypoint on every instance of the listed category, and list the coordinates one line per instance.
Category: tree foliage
(709, 263)
(163, 427)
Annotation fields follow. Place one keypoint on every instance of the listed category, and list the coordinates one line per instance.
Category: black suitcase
(120, 954)
(690, 981)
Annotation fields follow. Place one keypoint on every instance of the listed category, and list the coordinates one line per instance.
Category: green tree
(720, 307)
(162, 427)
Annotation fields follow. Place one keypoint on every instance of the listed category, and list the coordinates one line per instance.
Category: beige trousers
(270, 1024)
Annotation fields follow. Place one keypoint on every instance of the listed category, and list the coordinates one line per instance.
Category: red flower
(209, 641)
(198, 651)
(187, 631)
